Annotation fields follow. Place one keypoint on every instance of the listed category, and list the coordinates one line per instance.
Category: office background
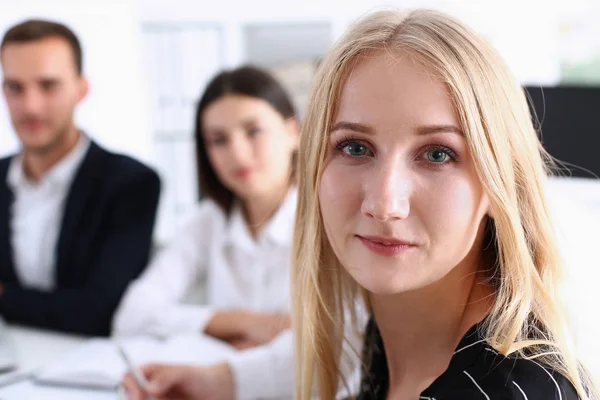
(148, 61)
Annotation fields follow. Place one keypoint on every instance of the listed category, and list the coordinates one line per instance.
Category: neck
(259, 210)
(37, 162)
(421, 329)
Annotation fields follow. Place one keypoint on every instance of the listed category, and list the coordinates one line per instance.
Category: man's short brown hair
(37, 29)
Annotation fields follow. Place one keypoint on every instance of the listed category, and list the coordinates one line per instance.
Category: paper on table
(28, 390)
(98, 364)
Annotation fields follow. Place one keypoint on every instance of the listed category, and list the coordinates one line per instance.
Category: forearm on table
(160, 318)
(226, 325)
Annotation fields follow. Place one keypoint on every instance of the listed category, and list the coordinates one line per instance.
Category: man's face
(42, 87)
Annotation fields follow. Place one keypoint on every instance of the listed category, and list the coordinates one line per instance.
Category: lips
(388, 247)
(242, 173)
(32, 124)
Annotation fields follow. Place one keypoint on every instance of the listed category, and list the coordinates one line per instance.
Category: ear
(293, 128)
(84, 89)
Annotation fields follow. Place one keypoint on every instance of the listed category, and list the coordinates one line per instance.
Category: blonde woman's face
(400, 199)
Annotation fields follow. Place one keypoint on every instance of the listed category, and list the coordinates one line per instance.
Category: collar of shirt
(60, 175)
(375, 376)
(467, 351)
(279, 230)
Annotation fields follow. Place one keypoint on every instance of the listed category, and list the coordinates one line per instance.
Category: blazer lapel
(7, 271)
(78, 199)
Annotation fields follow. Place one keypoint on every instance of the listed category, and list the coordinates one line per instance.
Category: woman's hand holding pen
(183, 382)
(242, 329)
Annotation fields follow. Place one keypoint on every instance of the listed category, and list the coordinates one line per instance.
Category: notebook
(97, 363)
(8, 354)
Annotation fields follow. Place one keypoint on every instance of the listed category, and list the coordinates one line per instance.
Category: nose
(387, 194)
(240, 149)
(31, 101)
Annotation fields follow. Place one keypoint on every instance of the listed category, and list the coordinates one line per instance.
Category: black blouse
(476, 372)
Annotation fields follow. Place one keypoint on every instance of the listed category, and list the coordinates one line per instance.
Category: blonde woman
(421, 188)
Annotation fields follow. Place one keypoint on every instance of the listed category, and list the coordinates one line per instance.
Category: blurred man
(76, 221)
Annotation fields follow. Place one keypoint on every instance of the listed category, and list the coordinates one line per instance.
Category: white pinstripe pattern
(520, 390)
(467, 346)
(551, 377)
(478, 387)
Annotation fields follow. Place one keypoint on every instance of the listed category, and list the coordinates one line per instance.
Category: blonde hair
(526, 319)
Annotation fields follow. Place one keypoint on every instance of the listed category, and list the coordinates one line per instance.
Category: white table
(36, 348)
(27, 390)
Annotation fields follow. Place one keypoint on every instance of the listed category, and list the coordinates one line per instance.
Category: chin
(386, 287)
(246, 191)
(390, 279)
(37, 146)
(383, 282)
(38, 139)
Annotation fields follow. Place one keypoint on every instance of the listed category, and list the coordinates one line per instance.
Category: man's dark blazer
(104, 242)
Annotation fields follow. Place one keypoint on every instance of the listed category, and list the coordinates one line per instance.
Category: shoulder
(129, 166)
(5, 161)
(206, 216)
(205, 211)
(121, 169)
(517, 378)
(4, 164)
(540, 381)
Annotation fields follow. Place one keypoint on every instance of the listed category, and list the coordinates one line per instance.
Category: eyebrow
(353, 126)
(421, 130)
(213, 131)
(252, 121)
(39, 81)
(48, 80)
(430, 129)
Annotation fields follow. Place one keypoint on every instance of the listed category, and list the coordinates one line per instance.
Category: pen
(135, 372)
(121, 393)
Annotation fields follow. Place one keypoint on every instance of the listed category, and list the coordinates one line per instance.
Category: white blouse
(240, 273)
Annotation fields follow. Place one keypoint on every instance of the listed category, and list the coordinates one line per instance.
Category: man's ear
(84, 89)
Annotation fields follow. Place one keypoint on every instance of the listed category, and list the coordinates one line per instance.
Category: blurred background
(149, 60)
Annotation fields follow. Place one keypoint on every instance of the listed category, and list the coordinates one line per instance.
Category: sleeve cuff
(186, 319)
(258, 374)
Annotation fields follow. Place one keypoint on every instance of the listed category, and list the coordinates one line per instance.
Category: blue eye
(437, 155)
(353, 148)
(356, 149)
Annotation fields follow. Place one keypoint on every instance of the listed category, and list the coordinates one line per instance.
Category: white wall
(524, 31)
(115, 113)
